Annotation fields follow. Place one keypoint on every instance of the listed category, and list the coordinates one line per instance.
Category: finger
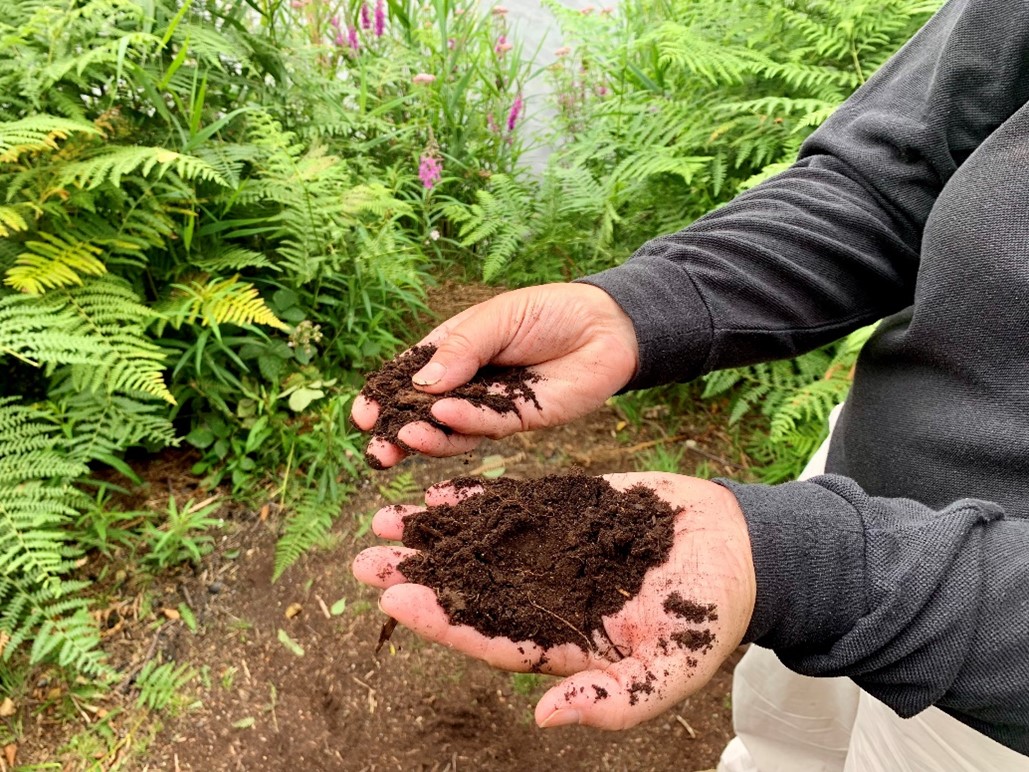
(620, 696)
(445, 494)
(477, 420)
(463, 345)
(377, 566)
(388, 522)
(382, 454)
(416, 607)
(364, 412)
(427, 439)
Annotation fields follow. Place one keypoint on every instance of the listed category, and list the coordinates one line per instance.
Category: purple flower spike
(352, 40)
(516, 110)
(430, 171)
(380, 17)
(366, 17)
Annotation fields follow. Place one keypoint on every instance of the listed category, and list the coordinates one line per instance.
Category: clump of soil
(541, 560)
(400, 403)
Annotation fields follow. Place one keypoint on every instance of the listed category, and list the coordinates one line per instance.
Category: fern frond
(159, 684)
(11, 221)
(226, 301)
(97, 329)
(114, 163)
(52, 262)
(309, 523)
(37, 600)
(235, 259)
(686, 49)
(37, 133)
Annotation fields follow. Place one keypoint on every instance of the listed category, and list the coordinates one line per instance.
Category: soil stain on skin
(541, 560)
(400, 403)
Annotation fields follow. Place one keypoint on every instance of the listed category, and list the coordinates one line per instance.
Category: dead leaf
(171, 613)
(10, 753)
(4, 640)
(263, 514)
(7, 708)
(293, 609)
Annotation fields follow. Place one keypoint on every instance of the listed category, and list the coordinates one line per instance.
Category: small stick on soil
(686, 726)
(386, 632)
(127, 680)
(589, 644)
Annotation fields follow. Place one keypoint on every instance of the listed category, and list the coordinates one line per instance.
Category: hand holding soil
(634, 598)
(575, 340)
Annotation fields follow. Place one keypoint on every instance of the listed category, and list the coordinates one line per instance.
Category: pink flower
(298, 4)
(588, 10)
(380, 17)
(366, 17)
(451, 44)
(352, 40)
(516, 109)
(499, 10)
(340, 40)
(430, 171)
(502, 46)
(423, 78)
(607, 10)
(563, 51)
(334, 22)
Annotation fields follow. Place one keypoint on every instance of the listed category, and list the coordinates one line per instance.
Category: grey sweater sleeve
(833, 243)
(919, 607)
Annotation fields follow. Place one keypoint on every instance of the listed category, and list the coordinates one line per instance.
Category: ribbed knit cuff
(808, 548)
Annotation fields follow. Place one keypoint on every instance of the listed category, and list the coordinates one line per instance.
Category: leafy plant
(795, 398)
(183, 534)
(160, 684)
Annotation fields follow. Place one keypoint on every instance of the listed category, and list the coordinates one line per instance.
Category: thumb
(458, 357)
(622, 695)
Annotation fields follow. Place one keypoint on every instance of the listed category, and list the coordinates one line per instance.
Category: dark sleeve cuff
(808, 545)
(673, 325)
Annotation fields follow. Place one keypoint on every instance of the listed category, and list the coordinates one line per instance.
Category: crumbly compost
(400, 403)
(541, 560)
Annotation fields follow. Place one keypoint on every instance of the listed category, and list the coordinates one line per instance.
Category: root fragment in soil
(400, 403)
(540, 560)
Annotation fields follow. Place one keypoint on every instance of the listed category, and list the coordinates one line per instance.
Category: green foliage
(183, 533)
(160, 684)
(794, 399)
(668, 109)
(38, 603)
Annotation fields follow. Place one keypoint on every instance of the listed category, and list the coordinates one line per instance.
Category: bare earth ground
(415, 707)
(259, 704)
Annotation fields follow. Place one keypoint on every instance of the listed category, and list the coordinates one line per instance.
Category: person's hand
(710, 563)
(574, 336)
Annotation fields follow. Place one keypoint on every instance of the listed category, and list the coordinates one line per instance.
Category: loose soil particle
(400, 403)
(542, 560)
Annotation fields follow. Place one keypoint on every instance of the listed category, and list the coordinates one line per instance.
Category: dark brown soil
(400, 403)
(539, 560)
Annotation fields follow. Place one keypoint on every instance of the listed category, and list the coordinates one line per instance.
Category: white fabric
(787, 722)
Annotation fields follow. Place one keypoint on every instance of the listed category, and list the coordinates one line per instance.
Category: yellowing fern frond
(227, 301)
(35, 133)
(11, 221)
(52, 262)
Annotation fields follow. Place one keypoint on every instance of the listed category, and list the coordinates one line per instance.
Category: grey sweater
(907, 568)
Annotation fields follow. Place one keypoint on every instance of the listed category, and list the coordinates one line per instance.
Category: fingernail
(561, 717)
(429, 374)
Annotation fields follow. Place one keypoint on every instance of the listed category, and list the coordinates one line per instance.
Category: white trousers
(786, 722)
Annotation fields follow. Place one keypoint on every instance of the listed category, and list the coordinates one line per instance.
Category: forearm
(834, 242)
(919, 607)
